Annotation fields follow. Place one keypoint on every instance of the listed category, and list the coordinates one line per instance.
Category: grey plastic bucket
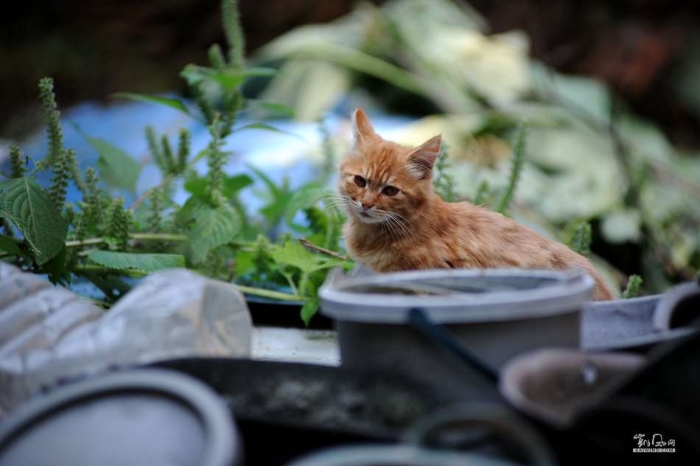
(496, 313)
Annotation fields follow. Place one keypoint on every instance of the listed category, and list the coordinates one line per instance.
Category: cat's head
(381, 180)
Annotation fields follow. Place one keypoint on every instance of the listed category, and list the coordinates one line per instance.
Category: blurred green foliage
(589, 159)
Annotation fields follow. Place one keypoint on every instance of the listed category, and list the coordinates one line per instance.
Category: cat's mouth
(366, 217)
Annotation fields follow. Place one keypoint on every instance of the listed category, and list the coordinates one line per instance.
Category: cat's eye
(359, 181)
(390, 191)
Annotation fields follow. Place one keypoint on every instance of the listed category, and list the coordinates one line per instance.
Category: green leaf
(278, 199)
(8, 245)
(56, 268)
(633, 288)
(274, 211)
(269, 109)
(581, 241)
(266, 127)
(228, 78)
(245, 263)
(136, 261)
(271, 185)
(186, 213)
(27, 205)
(296, 255)
(199, 185)
(177, 104)
(304, 197)
(212, 227)
(586, 94)
(118, 169)
(308, 310)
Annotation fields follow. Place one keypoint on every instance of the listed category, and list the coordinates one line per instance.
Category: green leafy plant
(516, 169)
(444, 182)
(581, 238)
(633, 288)
(102, 240)
(482, 192)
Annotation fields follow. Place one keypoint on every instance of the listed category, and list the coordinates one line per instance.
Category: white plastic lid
(454, 296)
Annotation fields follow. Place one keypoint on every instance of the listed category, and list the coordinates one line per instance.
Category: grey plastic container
(638, 324)
(496, 313)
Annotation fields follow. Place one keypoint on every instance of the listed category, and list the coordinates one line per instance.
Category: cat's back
(491, 239)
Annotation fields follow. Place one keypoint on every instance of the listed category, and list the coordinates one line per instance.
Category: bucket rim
(567, 293)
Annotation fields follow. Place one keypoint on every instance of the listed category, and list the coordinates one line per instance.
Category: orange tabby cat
(397, 222)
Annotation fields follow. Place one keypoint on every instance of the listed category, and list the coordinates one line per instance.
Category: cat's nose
(366, 206)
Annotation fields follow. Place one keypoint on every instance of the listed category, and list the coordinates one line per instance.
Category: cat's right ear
(423, 158)
(362, 129)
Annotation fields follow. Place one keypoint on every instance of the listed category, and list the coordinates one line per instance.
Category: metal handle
(501, 422)
(420, 321)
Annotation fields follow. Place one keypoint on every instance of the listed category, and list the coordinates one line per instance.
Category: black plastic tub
(304, 407)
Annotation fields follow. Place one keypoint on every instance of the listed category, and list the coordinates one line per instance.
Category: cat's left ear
(362, 129)
(423, 158)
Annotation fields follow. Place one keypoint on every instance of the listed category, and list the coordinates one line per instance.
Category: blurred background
(646, 50)
(609, 90)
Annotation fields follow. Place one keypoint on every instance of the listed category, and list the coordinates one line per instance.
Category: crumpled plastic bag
(49, 334)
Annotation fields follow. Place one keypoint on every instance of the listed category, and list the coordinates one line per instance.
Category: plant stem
(270, 294)
(308, 244)
(84, 242)
(303, 282)
(289, 280)
(144, 237)
(99, 268)
(244, 289)
(103, 304)
(138, 236)
(515, 171)
(158, 236)
(167, 179)
(365, 63)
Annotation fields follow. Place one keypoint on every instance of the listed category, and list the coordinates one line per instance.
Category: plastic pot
(136, 418)
(495, 313)
(551, 385)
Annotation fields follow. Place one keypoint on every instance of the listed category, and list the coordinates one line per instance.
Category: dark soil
(311, 395)
(355, 405)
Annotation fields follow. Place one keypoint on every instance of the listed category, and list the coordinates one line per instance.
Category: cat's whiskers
(389, 227)
(403, 223)
(334, 204)
(335, 201)
(396, 225)
(332, 199)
